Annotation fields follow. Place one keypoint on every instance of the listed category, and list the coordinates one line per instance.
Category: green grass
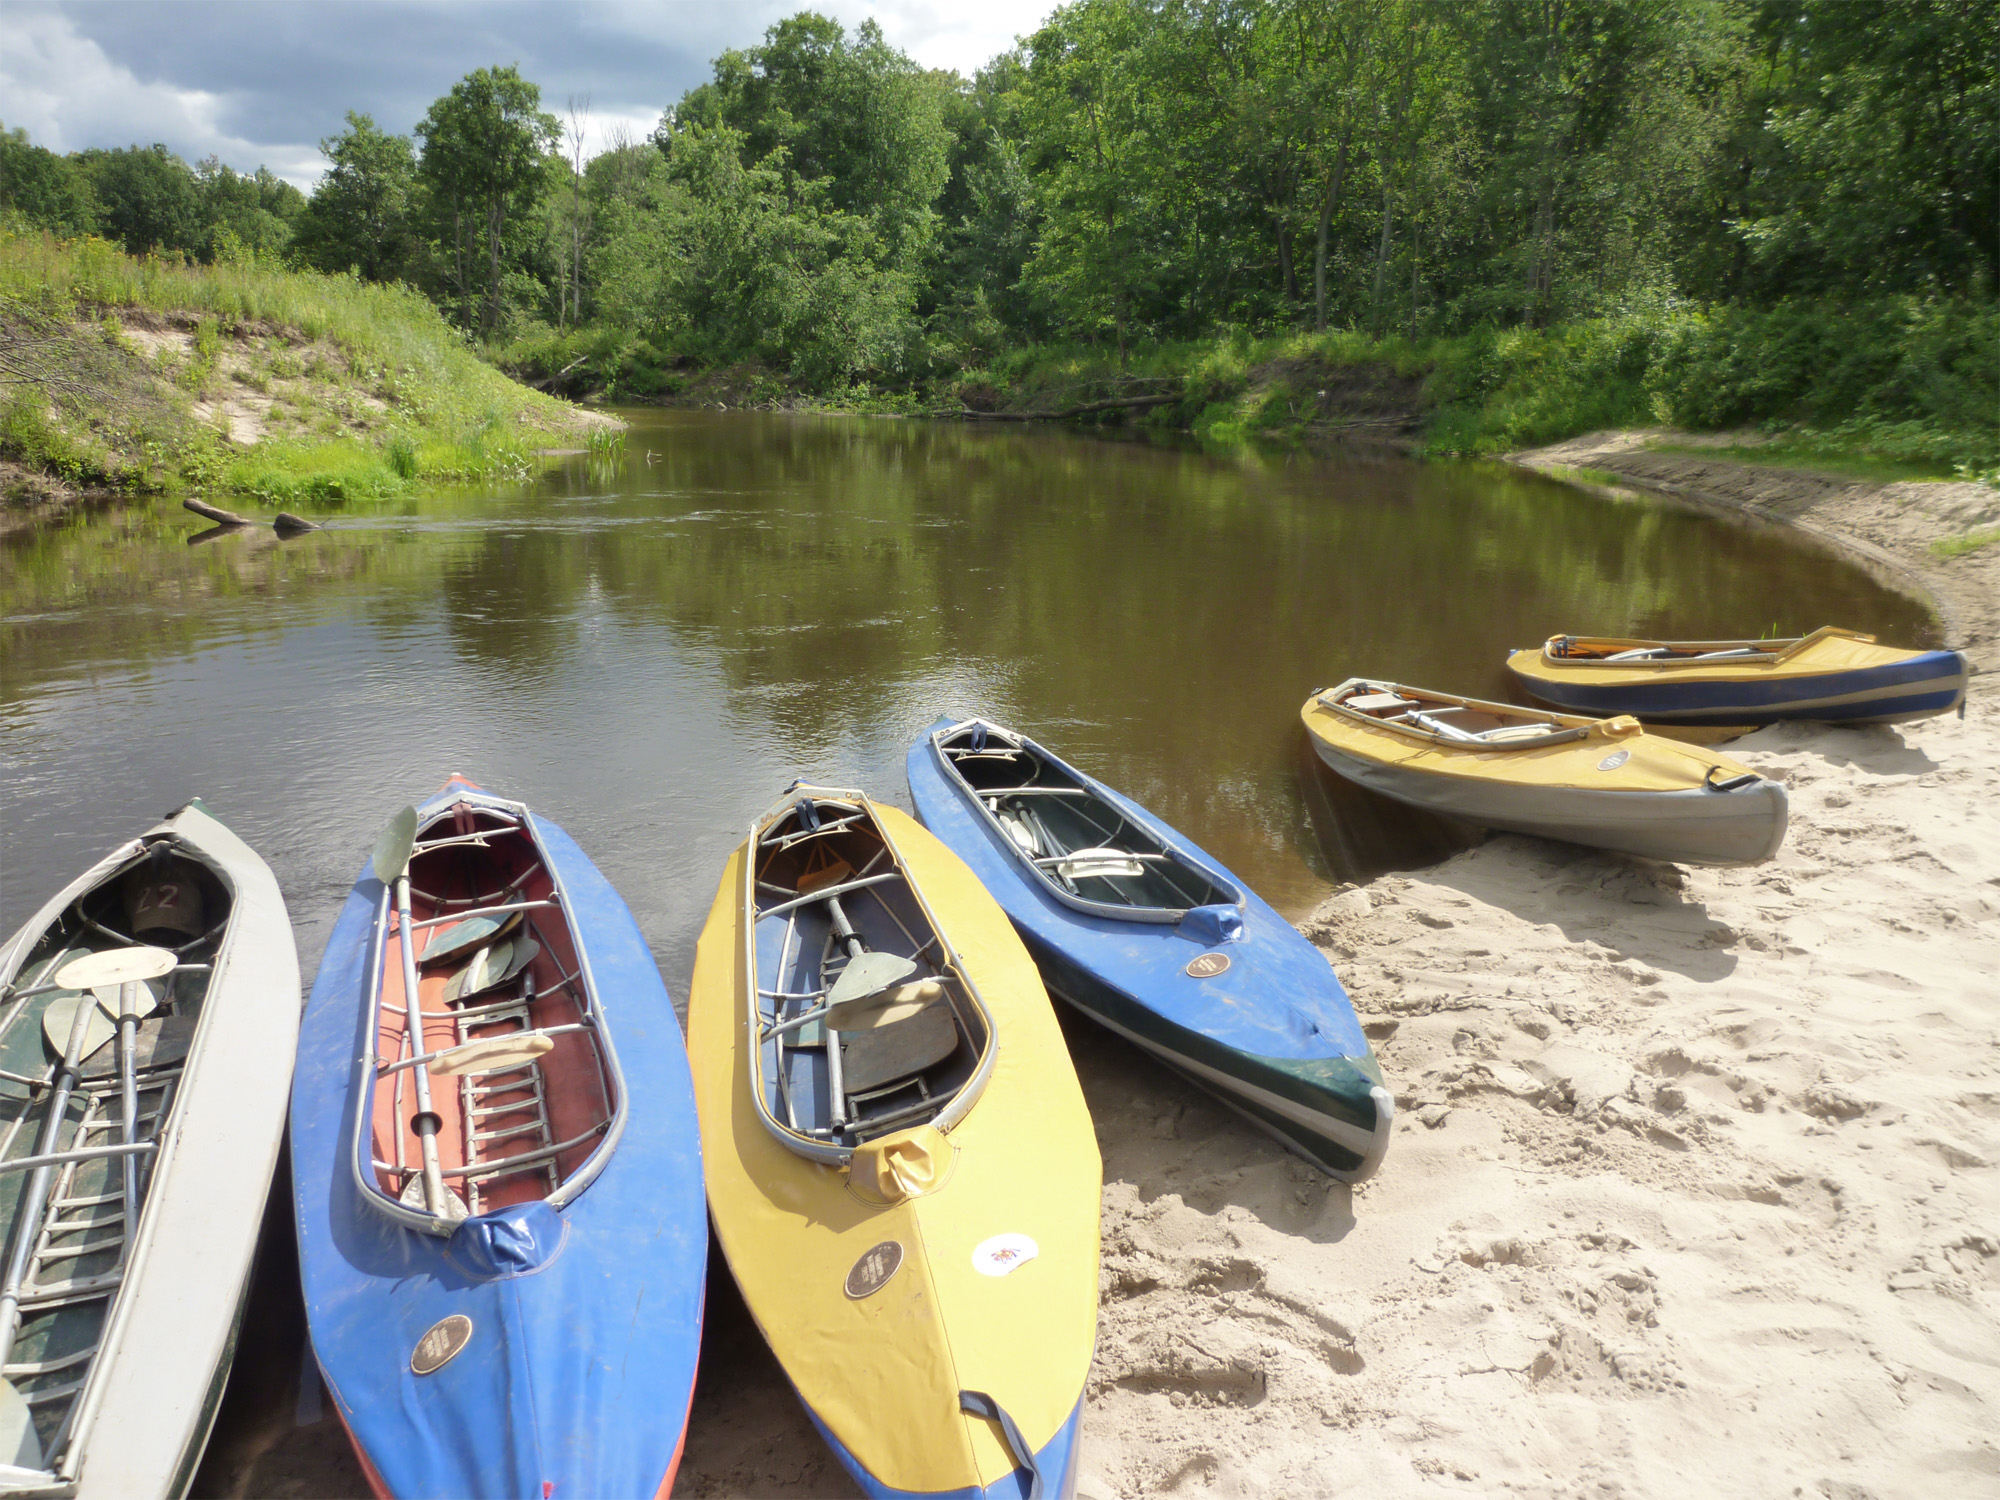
(394, 395)
(1972, 541)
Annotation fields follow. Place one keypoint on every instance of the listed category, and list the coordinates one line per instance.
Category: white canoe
(144, 1326)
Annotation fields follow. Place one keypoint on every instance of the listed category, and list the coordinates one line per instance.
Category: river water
(649, 649)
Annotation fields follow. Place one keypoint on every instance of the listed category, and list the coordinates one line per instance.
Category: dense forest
(1758, 208)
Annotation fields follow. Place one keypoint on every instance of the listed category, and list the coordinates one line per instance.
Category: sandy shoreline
(1888, 528)
(1696, 1182)
(1695, 1185)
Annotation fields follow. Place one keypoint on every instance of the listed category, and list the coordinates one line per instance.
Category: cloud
(261, 82)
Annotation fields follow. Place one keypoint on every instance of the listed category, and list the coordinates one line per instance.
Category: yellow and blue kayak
(1715, 689)
(1603, 782)
(901, 1170)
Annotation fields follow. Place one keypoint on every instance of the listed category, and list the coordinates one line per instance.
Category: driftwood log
(217, 514)
(284, 523)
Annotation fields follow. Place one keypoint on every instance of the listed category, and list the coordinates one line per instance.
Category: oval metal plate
(441, 1344)
(872, 1272)
(1614, 760)
(1208, 965)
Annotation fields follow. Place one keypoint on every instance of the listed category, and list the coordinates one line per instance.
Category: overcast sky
(261, 82)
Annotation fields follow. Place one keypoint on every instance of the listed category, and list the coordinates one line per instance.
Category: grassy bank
(287, 387)
(1897, 389)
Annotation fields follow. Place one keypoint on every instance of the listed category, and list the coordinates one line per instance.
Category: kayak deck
(952, 1257)
(1227, 993)
(1602, 782)
(1716, 689)
(91, 1097)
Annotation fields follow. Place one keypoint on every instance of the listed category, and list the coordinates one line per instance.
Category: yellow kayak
(1717, 689)
(1604, 782)
(901, 1169)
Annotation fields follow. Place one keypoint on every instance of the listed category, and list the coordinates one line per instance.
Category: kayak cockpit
(1470, 723)
(1080, 845)
(501, 1076)
(865, 1021)
(95, 1030)
(1612, 651)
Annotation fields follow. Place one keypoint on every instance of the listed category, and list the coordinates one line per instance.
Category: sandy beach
(1695, 1185)
(1696, 1181)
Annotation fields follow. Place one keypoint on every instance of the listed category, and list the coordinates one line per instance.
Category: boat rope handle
(1730, 785)
(982, 1405)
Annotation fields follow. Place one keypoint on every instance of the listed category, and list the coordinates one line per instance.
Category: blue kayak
(1136, 927)
(502, 1229)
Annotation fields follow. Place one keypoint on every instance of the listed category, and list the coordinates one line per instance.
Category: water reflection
(648, 650)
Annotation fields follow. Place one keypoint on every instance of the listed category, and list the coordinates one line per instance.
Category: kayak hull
(1056, 1461)
(1837, 679)
(145, 1413)
(882, 1364)
(1273, 1035)
(1697, 826)
(578, 1373)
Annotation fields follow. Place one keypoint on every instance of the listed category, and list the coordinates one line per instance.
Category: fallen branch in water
(217, 514)
(284, 523)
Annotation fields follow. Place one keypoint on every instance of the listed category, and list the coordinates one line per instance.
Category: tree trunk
(1541, 273)
(1416, 256)
(458, 253)
(1381, 262)
(1319, 244)
(494, 219)
(1285, 268)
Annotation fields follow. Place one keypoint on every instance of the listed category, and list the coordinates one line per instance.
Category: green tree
(42, 190)
(246, 216)
(147, 199)
(855, 116)
(362, 216)
(484, 163)
(1867, 154)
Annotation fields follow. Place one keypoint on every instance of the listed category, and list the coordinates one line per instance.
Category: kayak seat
(873, 1060)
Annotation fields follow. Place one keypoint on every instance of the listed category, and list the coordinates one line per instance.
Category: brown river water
(649, 648)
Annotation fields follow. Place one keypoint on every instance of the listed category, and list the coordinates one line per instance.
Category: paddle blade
(115, 966)
(492, 967)
(393, 845)
(868, 973)
(19, 1445)
(883, 1008)
(490, 1055)
(60, 1018)
(460, 937)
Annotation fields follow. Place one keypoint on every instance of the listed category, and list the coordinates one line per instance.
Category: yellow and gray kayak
(1716, 689)
(901, 1168)
(1604, 782)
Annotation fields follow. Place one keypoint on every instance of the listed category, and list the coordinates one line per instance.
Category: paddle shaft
(427, 1120)
(844, 930)
(28, 1217)
(128, 1027)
